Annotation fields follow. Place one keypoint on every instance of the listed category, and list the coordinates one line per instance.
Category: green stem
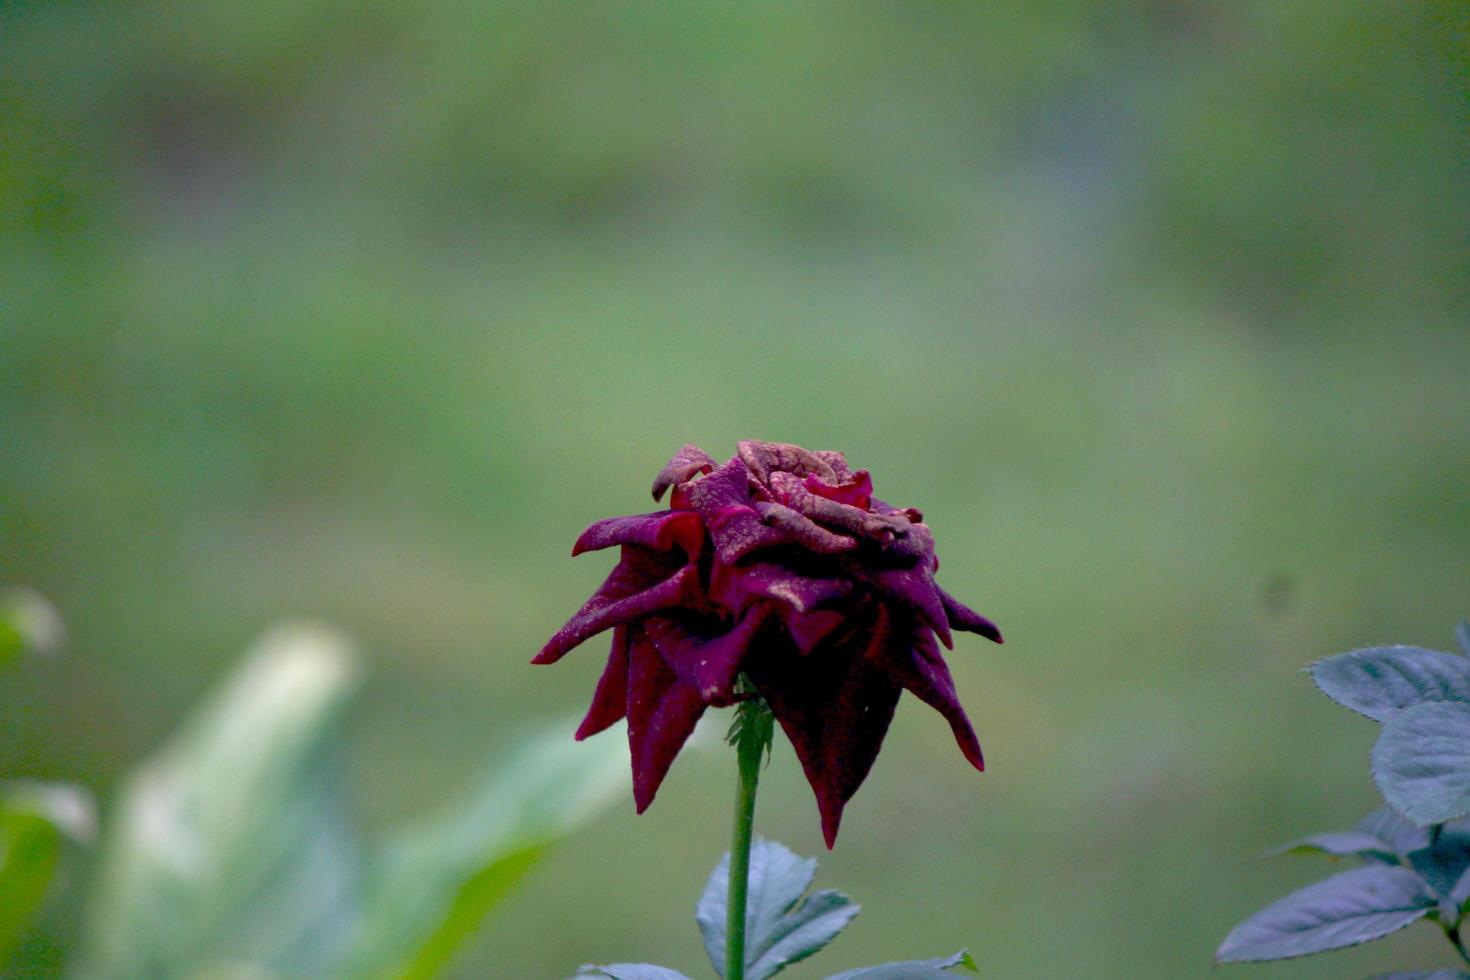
(749, 747)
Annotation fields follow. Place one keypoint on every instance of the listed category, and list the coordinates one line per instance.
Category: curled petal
(660, 530)
(766, 458)
(795, 494)
(835, 706)
(739, 531)
(662, 713)
(612, 605)
(837, 461)
(679, 469)
(914, 515)
(962, 617)
(804, 531)
(735, 587)
(914, 590)
(706, 658)
(610, 701)
(855, 492)
(915, 662)
(728, 485)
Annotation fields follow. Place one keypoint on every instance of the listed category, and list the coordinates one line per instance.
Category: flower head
(780, 564)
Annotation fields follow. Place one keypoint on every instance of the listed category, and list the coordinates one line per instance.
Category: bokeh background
(363, 310)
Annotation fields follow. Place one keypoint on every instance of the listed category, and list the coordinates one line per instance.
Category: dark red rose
(781, 564)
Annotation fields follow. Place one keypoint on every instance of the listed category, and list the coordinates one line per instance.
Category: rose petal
(835, 707)
(610, 701)
(855, 492)
(681, 467)
(613, 604)
(734, 587)
(810, 628)
(703, 656)
(962, 617)
(803, 530)
(740, 531)
(662, 713)
(765, 458)
(914, 590)
(660, 530)
(837, 461)
(917, 664)
(792, 491)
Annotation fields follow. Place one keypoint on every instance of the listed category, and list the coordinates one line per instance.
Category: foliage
(37, 820)
(231, 850)
(784, 924)
(1416, 850)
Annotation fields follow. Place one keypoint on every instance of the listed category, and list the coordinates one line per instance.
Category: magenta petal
(917, 664)
(735, 587)
(679, 469)
(611, 605)
(739, 531)
(962, 617)
(708, 659)
(610, 701)
(855, 492)
(660, 530)
(807, 629)
(835, 707)
(914, 589)
(662, 713)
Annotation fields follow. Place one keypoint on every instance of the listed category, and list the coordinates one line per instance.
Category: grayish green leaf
(1381, 681)
(432, 884)
(1347, 909)
(911, 969)
(1389, 826)
(1341, 844)
(631, 971)
(1421, 762)
(780, 929)
(1444, 862)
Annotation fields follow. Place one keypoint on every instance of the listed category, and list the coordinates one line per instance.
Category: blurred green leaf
(1421, 762)
(11, 642)
(1462, 636)
(27, 622)
(911, 969)
(1347, 909)
(35, 820)
(231, 854)
(432, 884)
(30, 848)
(1425, 975)
(780, 927)
(1381, 681)
(230, 844)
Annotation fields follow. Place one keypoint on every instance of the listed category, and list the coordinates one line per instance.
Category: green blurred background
(363, 310)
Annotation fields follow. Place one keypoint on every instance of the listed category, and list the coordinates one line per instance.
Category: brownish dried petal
(765, 458)
(680, 468)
